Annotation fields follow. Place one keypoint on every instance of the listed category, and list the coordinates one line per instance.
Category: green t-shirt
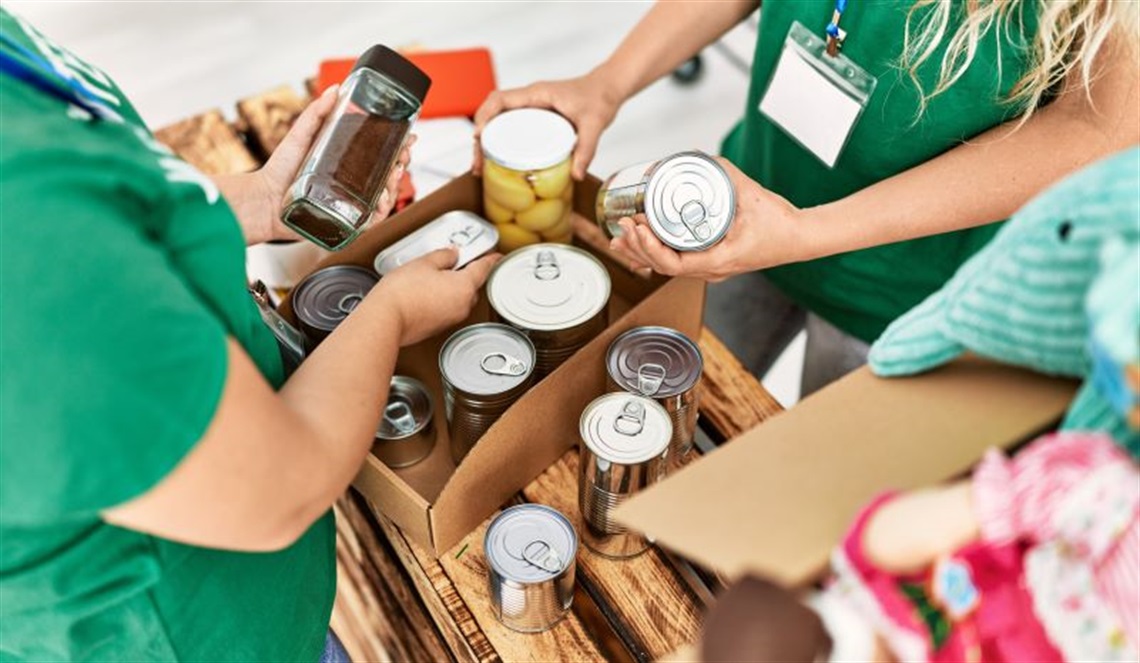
(863, 291)
(123, 275)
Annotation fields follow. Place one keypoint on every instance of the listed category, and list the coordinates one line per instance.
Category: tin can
(325, 298)
(406, 434)
(687, 199)
(625, 449)
(531, 551)
(665, 365)
(556, 294)
(485, 369)
(469, 233)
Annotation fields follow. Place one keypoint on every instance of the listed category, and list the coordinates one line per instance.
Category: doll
(1035, 558)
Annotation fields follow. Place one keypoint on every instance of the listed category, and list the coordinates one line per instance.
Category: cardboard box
(437, 504)
(776, 500)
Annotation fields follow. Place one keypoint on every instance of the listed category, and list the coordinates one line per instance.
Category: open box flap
(777, 499)
(546, 428)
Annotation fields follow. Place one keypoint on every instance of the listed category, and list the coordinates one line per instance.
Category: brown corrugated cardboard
(778, 498)
(435, 503)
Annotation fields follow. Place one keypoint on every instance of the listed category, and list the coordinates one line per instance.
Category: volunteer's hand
(767, 231)
(589, 102)
(257, 197)
(429, 296)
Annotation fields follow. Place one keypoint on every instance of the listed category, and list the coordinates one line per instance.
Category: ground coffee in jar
(345, 171)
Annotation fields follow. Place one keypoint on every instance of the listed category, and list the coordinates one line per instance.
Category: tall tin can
(665, 365)
(406, 434)
(531, 551)
(556, 294)
(687, 199)
(485, 369)
(325, 298)
(625, 449)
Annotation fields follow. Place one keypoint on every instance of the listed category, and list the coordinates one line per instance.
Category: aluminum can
(469, 233)
(624, 450)
(531, 551)
(406, 434)
(325, 298)
(687, 199)
(556, 294)
(485, 369)
(665, 365)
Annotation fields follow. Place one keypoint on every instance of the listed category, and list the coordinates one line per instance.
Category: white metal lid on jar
(548, 287)
(528, 139)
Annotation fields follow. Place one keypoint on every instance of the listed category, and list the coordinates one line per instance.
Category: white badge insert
(814, 97)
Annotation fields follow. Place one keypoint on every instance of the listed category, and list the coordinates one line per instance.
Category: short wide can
(625, 449)
(687, 199)
(406, 434)
(555, 294)
(531, 551)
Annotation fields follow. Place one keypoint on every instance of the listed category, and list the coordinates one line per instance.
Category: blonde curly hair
(1070, 34)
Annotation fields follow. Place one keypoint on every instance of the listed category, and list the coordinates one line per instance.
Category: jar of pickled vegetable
(527, 190)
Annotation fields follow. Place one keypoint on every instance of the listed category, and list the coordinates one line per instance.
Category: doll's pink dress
(1054, 576)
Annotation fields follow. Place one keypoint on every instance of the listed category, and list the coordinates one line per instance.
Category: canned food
(485, 369)
(406, 434)
(527, 189)
(625, 449)
(471, 235)
(530, 551)
(325, 298)
(556, 295)
(687, 199)
(665, 365)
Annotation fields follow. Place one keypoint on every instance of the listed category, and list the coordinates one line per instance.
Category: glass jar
(346, 168)
(527, 189)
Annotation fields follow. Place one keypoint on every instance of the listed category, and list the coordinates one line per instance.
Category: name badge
(814, 97)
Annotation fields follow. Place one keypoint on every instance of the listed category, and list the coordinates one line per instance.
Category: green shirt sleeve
(112, 366)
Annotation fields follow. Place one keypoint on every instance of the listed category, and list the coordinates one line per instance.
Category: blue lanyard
(46, 78)
(836, 35)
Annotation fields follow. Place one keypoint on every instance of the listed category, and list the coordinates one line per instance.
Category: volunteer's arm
(978, 182)
(271, 463)
(668, 35)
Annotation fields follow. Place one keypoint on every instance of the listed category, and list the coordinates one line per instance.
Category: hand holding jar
(527, 188)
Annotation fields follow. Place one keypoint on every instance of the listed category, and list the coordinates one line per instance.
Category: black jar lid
(390, 63)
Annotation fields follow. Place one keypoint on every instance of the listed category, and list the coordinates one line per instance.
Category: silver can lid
(625, 428)
(548, 287)
(408, 411)
(689, 201)
(656, 362)
(470, 234)
(530, 543)
(326, 297)
(486, 359)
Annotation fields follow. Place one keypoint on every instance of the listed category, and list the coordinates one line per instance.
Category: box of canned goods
(508, 384)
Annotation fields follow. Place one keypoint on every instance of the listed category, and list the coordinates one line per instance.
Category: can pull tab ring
(546, 266)
(349, 302)
(542, 554)
(399, 415)
(695, 217)
(650, 377)
(631, 421)
(464, 236)
(500, 363)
